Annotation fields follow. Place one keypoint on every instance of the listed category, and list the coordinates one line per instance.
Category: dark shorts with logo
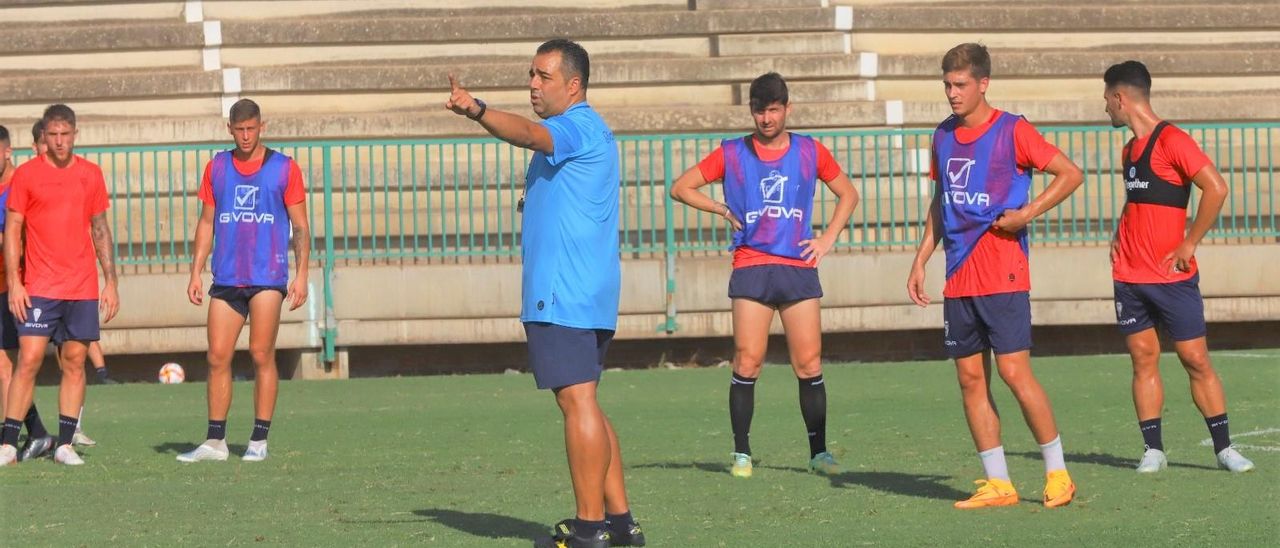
(1001, 322)
(8, 327)
(1176, 307)
(238, 297)
(562, 356)
(61, 320)
(775, 284)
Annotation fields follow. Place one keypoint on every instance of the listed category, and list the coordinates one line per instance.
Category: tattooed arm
(105, 247)
(301, 244)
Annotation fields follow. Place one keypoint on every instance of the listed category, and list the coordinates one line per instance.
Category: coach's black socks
(587, 529)
(66, 429)
(10, 434)
(813, 407)
(217, 430)
(102, 374)
(742, 404)
(1151, 434)
(1218, 431)
(35, 426)
(260, 430)
(622, 521)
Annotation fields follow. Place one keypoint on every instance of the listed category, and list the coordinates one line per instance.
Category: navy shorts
(1177, 307)
(1001, 322)
(8, 327)
(562, 356)
(775, 284)
(238, 297)
(61, 320)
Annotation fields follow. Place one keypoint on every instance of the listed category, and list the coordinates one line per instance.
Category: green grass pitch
(478, 461)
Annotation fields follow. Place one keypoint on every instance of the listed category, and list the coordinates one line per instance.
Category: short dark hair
(767, 89)
(1129, 73)
(4, 134)
(37, 131)
(573, 58)
(59, 113)
(968, 55)
(244, 109)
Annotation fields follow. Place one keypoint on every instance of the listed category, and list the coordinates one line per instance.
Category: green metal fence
(450, 200)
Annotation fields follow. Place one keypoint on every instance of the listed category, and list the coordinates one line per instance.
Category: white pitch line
(1208, 442)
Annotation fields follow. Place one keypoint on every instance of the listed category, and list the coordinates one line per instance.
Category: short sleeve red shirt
(1149, 232)
(712, 169)
(57, 205)
(294, 191)
(997, 263)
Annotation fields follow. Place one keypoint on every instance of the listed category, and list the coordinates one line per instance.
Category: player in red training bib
(982, 163)
(254, 212)
(1156, 279)
(769, 179)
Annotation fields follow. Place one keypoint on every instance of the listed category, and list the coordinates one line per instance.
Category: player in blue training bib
(769, 179)
(255, 210)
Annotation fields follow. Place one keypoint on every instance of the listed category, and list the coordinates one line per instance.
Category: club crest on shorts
(1119, 309)
(35, 315)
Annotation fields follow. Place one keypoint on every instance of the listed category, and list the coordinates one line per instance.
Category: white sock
(80, 420)
(220, 445)
(993, 463)
(257, 444)
(1052, 453)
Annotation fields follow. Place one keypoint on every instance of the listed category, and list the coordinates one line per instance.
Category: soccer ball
(172, 373)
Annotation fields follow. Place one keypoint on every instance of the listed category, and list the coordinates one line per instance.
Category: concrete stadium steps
(61, 11)
(417, 27)
(463, 52)
(1059, 16)
(273, 9)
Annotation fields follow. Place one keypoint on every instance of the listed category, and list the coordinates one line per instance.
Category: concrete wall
(479, 304)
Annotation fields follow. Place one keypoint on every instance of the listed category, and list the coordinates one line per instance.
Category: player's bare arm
(1213, 192)
(19, 301)
(846, 202)
(204, 246)
(686, 191)
(105, 247)
(1067, 177)
(512, 128)
(928, 243)
(300, 242)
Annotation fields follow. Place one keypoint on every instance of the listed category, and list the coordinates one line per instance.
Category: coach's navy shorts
(8, 328)
(61, 320)
(775, 284)
(1001, 322)
(1177, 307)
(562, 356)
(238, 297)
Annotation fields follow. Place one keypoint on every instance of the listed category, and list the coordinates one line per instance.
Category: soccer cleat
(741, 465)
(824, 463)
(8, 455)
(1058, 489)
(1153, 460)
(625, 535)
(991, 492)
(1230, 459)
(80, 439)
(65, 454)
(108, 380)
(566, 536)
(256, 452)
(209, 450)
(35, 448)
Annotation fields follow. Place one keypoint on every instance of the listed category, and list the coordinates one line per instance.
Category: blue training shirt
(572, 273)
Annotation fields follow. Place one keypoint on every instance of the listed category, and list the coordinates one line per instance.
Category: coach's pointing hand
(460, 100)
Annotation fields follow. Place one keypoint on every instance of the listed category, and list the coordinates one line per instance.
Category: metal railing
(454, 200)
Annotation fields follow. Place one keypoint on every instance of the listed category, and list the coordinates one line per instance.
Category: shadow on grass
(491, 526)
(178, 447)
(1104, 459)
(898, 483)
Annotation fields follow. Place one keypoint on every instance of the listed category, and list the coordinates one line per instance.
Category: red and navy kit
(60, 273)
(1148, 292)
(980, 173)
(1157, 173)
(251, 219)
